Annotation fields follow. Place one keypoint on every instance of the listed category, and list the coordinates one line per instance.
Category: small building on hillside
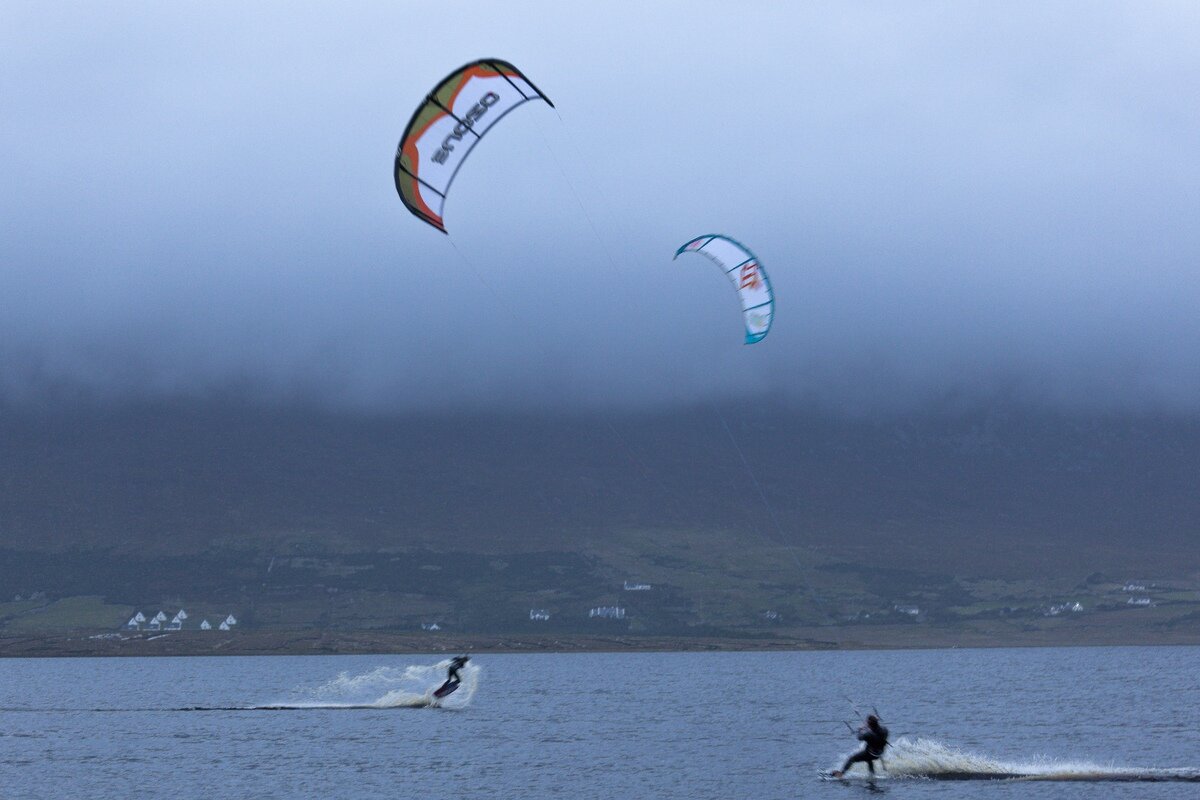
(177, 621)
(205, 626)
(632, 586)
(430, 626)
(135, 622)
(539, 614)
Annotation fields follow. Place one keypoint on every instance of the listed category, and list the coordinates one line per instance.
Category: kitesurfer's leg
(861, 755)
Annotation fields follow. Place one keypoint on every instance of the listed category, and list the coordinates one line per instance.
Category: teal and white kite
(747, 275)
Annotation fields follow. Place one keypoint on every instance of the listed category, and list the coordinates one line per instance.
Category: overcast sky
(950, 198)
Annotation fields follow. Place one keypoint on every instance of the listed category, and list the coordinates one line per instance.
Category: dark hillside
(174, 480)
(201, 502)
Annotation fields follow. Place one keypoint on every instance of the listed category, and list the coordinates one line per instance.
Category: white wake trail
(929, 759)
(411, 686)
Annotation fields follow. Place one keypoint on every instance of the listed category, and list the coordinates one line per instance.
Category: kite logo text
(750, 276)
(468, 121)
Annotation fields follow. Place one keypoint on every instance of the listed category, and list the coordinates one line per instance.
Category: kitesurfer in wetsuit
(874, 738)
(452, 676)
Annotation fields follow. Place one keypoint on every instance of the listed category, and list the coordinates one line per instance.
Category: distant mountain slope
(986, 492)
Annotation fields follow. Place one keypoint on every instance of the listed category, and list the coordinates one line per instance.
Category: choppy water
(721, 725)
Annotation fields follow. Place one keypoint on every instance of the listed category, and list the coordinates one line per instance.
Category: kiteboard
(854, 777)
(446, 688)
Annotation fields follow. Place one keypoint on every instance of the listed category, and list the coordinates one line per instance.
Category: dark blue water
(722, 725)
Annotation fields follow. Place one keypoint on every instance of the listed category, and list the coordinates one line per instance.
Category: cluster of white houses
(601, 612)
(608, 612)
(1063, 608)
(159, 622)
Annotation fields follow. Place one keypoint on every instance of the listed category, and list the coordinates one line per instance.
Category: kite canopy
(746, 274)
(447, 126)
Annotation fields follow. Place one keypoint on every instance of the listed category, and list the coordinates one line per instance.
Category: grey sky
(949, 197)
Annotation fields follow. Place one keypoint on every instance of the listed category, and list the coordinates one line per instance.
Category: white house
(430, 626)
(230, 621)
(224, 626)
(632, 586)
(154, 625)
(177, 621)
(204, 625)
(608, 612)
(160, 618)
(135, 622)
(539, 614)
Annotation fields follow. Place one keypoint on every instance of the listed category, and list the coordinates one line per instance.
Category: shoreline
(90, 644)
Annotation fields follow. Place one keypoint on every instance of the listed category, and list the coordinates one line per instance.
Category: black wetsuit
(452, 675)
(874, 739)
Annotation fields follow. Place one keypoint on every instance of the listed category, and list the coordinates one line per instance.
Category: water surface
(672, 725)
